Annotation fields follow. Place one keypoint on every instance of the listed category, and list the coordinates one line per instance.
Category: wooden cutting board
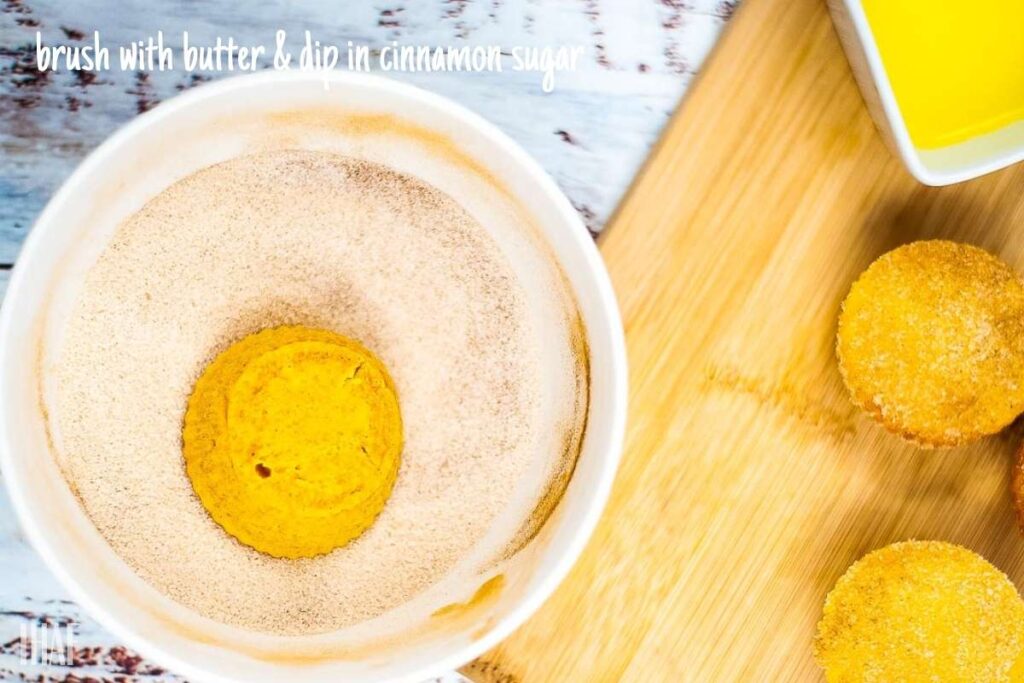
(749, 482)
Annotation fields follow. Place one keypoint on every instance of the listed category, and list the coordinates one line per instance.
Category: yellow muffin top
(292, 440)
(921, 611)
(931, 342)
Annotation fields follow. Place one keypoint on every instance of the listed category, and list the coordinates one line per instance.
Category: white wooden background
(591, 134)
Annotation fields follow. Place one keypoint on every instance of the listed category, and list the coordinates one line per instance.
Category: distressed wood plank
(591, 133)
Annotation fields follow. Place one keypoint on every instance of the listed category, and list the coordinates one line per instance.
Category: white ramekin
(944, 166)
(54, 520)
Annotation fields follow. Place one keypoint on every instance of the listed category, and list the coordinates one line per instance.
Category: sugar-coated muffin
(1017, 489)
(921, 611)
(931, 342)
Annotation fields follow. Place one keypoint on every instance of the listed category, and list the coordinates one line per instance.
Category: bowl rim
(608, 325)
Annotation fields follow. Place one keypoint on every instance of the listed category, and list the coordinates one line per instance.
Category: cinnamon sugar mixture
(330, 242)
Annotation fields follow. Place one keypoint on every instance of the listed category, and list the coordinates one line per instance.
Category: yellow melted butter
(956, 68)
(292, 439)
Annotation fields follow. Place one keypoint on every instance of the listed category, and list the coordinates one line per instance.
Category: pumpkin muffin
(931, 343)
(921, 611)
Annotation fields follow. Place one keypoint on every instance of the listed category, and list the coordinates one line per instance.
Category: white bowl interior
(211, 124)
(977, 156)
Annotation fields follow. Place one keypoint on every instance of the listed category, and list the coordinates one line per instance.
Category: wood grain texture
(749, 482)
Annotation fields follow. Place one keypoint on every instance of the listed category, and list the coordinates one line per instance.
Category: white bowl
(200, 127)
(944, 166)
